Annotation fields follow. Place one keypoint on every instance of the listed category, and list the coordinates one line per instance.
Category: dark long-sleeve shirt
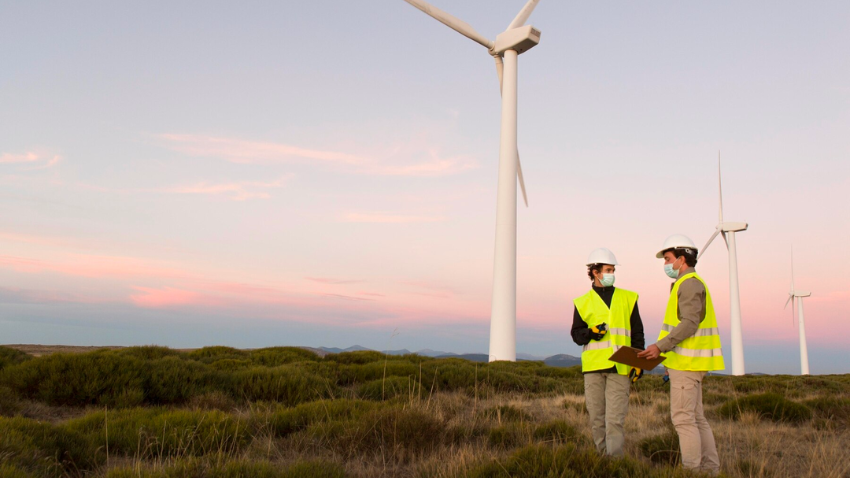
(581, 333)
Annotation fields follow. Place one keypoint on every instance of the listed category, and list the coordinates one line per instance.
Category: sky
(324, 173)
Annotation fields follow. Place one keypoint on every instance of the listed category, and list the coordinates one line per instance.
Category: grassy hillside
(281, 412)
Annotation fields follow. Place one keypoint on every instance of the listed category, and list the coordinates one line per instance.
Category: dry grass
(425, 433)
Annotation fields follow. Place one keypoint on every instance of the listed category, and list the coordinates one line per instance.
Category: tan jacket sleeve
(691, 312)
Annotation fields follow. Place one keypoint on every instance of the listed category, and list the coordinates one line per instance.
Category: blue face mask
(607, 280)
(671, 273)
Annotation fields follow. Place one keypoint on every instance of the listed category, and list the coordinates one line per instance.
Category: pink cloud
(168, 297)
(40, 160)
(238, 191)
(383, 218)
(326, 280)
(92, 266)
(399, 160)
(251, 152)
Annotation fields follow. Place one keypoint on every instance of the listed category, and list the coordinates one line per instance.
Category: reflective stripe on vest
(701, 351)
(593, 311)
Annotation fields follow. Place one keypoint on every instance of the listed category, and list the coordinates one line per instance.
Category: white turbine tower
(509, 44)
(728, 229)
(797, 295)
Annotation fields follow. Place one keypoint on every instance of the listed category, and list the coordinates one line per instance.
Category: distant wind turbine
(509, 44)
(797, 295)
(728, 229)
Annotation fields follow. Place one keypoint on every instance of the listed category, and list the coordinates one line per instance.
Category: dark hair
(690, 254)
(593, 267)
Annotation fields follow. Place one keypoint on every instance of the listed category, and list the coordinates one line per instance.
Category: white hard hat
(602, 256)
(677, 241)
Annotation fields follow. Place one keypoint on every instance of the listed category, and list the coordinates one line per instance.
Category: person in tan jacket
(690, 341)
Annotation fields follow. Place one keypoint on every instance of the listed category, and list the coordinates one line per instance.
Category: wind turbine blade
(716, 232)
(792, 269)
(790, 296)
(726, 241)
(499, 70)
(720, 186)
(523, 14)
(452, 22)
(521, 181)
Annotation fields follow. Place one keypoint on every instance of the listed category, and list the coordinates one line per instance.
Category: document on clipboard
(628, 356)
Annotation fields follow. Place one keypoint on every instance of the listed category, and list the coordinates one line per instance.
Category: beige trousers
(606, 396)
(695, 437)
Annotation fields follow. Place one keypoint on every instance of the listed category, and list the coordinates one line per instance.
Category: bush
(556, 431)
(662, 449)
(46, 450)
(392, 387)
(156, 432)
(194, 468)
(394, 432)
(149, 352)
(76, 379)
(830, 408)
(218, 352)
(286, 384)
(171, 380)
(9, 403)
(230, 365)
(284, 421)
(356, 358)
(274, 356)
(506, 413)
(771, 406)
(349, 374)
(9, 356)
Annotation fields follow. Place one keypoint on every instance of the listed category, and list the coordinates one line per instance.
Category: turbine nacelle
(733, 226)
(801, 293)
(519, 39)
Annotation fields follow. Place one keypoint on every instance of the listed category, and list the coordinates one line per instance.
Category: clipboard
(628, 356)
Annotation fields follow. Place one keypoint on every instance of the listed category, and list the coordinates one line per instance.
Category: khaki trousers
(695, 437)
(606, 396)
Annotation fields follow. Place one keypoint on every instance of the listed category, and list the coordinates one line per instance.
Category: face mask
(607, 280)
(671, 273)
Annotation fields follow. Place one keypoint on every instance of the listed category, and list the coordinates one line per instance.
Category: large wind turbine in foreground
(797, 295)
(509, 44)
(728, 229)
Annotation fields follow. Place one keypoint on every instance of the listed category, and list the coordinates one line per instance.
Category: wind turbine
(728, 229)
(509, 44)
(797, 295)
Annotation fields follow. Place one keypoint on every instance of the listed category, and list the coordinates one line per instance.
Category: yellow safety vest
(593, 311)
(701, 351)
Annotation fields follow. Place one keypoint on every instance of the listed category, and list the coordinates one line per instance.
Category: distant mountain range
(560, 360)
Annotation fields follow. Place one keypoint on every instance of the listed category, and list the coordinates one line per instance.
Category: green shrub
(830, 408)
(359, 373)
(9, 403)
(286, 384)
(217, 352)
(358, 358)
(230, 365)
(393, 432)
(195, 468)
(76, 379)
(9, 356)
(556, 431)
(284, 421)
(46, 450)
(11, 471)
(214, 400)
(149, 352)
(661, 449)
(715, 398)
(274, 356)
(171, 380)
(506, 413)
(392, 387)
(771, 406)
(155, 432)
(508, 436)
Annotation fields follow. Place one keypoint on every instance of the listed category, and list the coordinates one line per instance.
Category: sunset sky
(324, 173)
